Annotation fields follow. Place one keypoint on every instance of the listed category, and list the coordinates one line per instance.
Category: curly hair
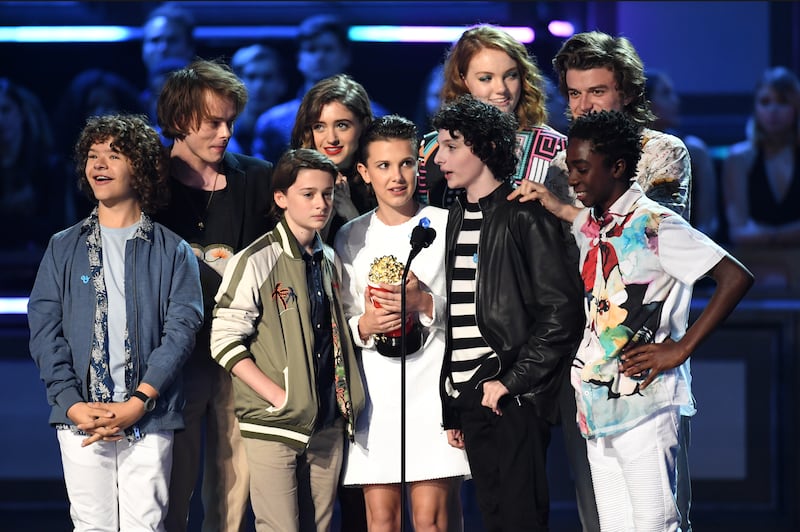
(290, 164)
(488, 131)
(182, 104)
(339, 88)
(133, 137)
(387, 128)
(595, 49)
(531, 110)
(613, 134)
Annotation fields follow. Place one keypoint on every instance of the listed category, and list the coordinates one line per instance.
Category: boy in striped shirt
(515, 318)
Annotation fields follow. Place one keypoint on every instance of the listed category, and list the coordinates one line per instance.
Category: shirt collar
(624, 205)
(144, 231)
(316, 246)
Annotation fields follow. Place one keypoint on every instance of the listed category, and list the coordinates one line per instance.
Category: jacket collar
(288, 241)
(490, 201)
(237, 188)
(144, 231)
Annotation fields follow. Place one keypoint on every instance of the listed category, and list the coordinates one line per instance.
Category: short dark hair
(387, 128)
(182, 102)
(176, 15)
(595, 49)
(135, 138)
(612, 134)
(290, 164)
(254, 53)
(490, 133)
(316, 25)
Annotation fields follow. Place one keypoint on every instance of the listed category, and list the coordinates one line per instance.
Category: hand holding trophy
(387, 270)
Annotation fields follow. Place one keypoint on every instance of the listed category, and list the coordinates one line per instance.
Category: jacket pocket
(274, 409)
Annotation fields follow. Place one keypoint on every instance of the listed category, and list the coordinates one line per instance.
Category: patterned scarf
(101, 385)
(601, 229)
(340, 370)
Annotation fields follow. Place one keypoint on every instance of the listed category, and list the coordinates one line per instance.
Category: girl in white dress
(434, 469)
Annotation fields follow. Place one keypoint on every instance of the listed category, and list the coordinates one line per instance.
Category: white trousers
(633, 474)
(117, 486)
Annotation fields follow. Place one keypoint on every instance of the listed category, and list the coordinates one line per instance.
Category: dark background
(745, 436)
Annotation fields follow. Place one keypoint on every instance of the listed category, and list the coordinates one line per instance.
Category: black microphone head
(422, 237)
(430, 236)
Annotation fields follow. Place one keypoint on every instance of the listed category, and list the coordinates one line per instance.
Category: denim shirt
(323, 338)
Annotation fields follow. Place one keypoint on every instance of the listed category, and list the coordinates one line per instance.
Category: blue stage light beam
(421, 34)
(67, 34)
(13, 305)
(386, 34)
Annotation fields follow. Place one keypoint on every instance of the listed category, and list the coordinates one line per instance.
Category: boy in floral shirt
(638, 262)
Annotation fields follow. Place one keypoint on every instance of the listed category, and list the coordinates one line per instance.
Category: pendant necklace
(201, 219)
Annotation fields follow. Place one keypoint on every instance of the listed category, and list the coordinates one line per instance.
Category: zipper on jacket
(477, 319)
(135, 344)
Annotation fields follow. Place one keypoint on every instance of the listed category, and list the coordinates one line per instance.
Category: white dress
(374, 458)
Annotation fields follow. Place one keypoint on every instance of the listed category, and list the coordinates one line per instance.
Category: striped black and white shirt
(472, 359)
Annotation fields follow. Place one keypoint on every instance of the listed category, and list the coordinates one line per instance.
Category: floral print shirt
(638, 263)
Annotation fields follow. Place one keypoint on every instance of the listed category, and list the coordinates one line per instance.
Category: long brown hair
(531, 110)
(339, 88)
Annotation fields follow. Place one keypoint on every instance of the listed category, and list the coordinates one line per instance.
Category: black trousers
(507, 456)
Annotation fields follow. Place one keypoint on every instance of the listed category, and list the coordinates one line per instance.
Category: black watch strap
(149, 402)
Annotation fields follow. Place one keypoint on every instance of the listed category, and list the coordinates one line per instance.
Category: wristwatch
(149, 402)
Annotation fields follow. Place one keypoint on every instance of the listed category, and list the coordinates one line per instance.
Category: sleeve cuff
(369, 344)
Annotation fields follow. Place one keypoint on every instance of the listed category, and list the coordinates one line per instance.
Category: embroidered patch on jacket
(284, 295)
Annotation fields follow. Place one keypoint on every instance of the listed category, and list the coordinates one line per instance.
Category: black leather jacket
(528, 298)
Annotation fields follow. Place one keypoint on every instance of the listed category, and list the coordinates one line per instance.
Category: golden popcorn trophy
(389, 270)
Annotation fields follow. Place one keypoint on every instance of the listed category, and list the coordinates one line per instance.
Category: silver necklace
(201, 222)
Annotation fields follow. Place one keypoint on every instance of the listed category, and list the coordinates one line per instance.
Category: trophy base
(389, 346)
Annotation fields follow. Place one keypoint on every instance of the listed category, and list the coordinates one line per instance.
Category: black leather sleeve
(553, 301)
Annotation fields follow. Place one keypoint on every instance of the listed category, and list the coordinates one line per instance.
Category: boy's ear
(618, 168)
(280, 199)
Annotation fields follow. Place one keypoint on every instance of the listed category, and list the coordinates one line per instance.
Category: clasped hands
(105, 421)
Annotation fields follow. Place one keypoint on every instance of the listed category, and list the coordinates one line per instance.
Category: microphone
(422, 236)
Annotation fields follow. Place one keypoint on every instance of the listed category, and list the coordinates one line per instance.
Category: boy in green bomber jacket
(279, 327)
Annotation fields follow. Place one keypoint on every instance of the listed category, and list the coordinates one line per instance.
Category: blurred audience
(430, 98)
(665, 105)
(323, 51)
(167, 45)
(33, 181)
(761, 174)
(557, 116)
(261, 70)
(93, 92)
